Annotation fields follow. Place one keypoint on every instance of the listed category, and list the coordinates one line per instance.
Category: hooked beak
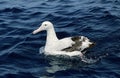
(37, 30)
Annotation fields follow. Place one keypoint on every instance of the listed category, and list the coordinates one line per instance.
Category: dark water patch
(7, 31)
(18, 75)
(66, 25)
(90, 30)
(63, 12)
(116, 59)
(18, 32)
(97, 10)
(110, 1)
(3, 2)
(53, 17)
(36, 14)
(115, 33)
(70, 13)
(64, 1)
(26, 56)
(2, 20)
(60, 35)
(25, 18)
(8, 42)
(33, 44)
(4, 24)
(65, 73)
(2, 31)
(77, 12)
(12, 10)
(108, 15)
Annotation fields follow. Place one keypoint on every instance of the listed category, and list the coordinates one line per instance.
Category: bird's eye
(45, 24)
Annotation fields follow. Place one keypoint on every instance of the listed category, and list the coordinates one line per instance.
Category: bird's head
(46, 25)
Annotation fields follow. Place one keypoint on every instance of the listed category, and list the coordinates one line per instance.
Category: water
(99, 20)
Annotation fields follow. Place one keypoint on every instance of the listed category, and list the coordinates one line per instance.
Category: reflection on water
(62, 63)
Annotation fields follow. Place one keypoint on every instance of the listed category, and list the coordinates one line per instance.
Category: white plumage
(71, 46)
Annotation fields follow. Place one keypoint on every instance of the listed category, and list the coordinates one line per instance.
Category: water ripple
(20, 57)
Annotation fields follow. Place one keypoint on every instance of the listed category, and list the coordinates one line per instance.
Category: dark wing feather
(76, 46)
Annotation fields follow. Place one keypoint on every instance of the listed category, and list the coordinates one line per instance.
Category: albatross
(71, 46)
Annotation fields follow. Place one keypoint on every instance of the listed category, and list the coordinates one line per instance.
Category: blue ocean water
(99, 20)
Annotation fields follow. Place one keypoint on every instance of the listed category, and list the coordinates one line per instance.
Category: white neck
(51, 37)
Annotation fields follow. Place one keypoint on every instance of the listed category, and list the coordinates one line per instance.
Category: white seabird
(71, 46)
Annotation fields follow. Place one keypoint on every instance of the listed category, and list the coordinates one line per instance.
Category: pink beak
(37, 30)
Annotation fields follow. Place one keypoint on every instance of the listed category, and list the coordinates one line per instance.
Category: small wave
(13, 10)
(108, 15)
(88, 29)
(41, 50)
(96, 9)
(53, 17)
(92, 60)
(18, 75)
(36, 14)
(110, 1)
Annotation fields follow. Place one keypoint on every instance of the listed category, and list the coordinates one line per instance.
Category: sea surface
(99, 20)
